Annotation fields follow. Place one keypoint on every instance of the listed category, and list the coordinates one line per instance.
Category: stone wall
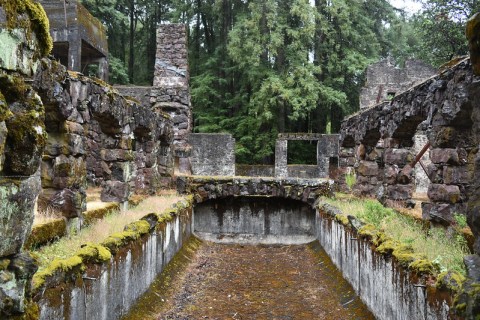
(327, 147)
(446, 107)
(380, 143)
(97, 137)
(384, 80)
(25, 40)
(213, 154)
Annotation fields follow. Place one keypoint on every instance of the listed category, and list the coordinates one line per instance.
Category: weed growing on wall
(350, 179)
(444, 248)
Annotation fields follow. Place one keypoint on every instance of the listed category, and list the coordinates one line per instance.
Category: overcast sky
(409, 5)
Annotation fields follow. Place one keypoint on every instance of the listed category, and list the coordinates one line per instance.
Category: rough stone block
(441, 212)
(400, 192)
(444, 156)
(457, 175)
(398, 156)
(444, 193)
(115, 191)
(367, 168)
(17, 203)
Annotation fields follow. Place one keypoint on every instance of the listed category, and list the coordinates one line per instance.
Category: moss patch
(45, 233)
(343, 219)
(39, 23)
(94, 253)
(450, 280)
(73, 264)
(368, 231)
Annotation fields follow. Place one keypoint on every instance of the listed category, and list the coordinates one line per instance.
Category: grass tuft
(436, 249)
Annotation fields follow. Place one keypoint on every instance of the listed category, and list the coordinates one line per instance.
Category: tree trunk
(131, 58)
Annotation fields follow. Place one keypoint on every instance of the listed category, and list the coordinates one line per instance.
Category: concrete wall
(212, 154)
(108, 290)
(327, 147)
(254, 220)
(387, 289)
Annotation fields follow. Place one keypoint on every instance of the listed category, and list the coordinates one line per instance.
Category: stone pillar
(421, 179)
(281, 149)
(398, 183)
(171, 92)
(327, 147)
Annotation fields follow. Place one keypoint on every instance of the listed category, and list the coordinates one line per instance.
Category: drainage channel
(209, 280)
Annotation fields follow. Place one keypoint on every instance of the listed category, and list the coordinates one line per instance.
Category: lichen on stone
(450, 280)
(39, 23)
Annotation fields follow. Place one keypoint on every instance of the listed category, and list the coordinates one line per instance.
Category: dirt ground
(260, 282)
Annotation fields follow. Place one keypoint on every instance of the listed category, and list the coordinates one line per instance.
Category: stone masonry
(97, 137)
(213, 154)
(384, 80)
(22, 140)
(327, 147)
(171, 92)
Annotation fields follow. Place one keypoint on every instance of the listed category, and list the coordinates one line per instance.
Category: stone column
(281, 149)
(171, 92)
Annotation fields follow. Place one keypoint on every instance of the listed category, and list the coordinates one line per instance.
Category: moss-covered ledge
(72, 269)
(203, 187)
(446, 285)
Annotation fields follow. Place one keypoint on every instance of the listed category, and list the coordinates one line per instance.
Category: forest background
(262, 67)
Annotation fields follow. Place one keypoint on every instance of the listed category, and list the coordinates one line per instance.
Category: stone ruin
(327, 150)
(384, 80)
(170, 92)
(79, 39)
(59, 133)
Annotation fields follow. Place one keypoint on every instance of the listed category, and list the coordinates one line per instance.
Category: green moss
(117, 240)
(141, 227)
(343, 219)
(32, 312)
(422, 266)
(94, 253)
(39, 23)
(404, 255)
(45, 233)
(72, 264)
(450, 280)
(4, 263)
(381, 238)
(368, 231)
(5, 112)
(387, 247)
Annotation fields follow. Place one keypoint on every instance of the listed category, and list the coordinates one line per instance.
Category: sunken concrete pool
(246, 256)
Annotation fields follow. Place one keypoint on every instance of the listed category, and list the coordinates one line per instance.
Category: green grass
(445, 248)
(101, 229)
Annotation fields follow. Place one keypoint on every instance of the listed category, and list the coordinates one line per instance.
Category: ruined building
(384, 80)
(79, 39)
